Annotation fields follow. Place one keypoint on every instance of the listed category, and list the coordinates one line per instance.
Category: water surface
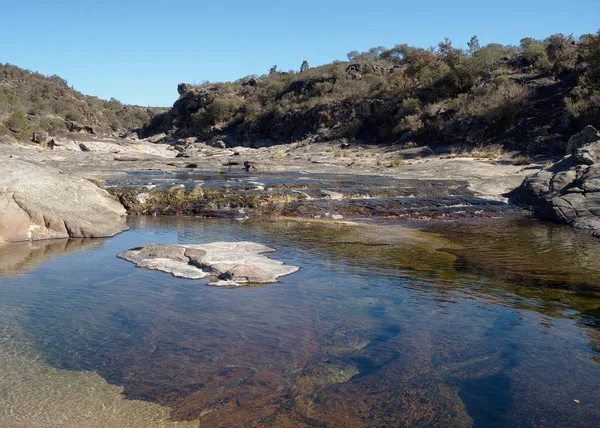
(376, 329)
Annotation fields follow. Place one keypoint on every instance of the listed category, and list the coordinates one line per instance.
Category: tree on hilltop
(473, 45)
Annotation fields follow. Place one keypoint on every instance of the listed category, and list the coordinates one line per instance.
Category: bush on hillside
(498, 102)
(382, 94)
(562, 53)
(48, 101)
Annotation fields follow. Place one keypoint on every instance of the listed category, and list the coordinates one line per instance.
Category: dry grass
(397, 161)
(522, 160)
(492, 151)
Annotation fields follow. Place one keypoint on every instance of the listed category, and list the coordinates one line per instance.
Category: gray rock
(42, 203)
(232, 263)
(569, 191)
(588, 154)
(218, 144)
(253, 166)
(183, 88)
(158, 138)
(416, 152)
(66, 144)
(40, 137)
(589, 134)
(133, 136)
(79, 127)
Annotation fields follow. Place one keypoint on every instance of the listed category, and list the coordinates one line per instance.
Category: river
(473, 323)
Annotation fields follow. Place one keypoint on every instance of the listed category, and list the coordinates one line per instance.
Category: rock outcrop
(79, 127)
(231, 263)
(39, 202)
(569, 191)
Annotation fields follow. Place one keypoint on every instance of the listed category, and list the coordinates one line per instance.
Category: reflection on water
(380, 327)
(24, 256)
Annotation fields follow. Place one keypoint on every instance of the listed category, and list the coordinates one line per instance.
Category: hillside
(30, 102)
(530, 97)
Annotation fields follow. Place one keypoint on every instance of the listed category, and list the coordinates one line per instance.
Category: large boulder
(231, 263)
(569, 191)
(588, 135)
(158, 138)
(39, 202)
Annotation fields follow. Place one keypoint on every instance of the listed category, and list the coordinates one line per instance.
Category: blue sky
(138, 51)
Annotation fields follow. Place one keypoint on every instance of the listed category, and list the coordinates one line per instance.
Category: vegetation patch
(530, 97)
(30, 101)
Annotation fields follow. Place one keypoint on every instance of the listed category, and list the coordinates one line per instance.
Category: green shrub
(535, 54)
(591, 55)
(18, 121)
(410, 106)
(412, 123)
(23, 91)
(220, 110)
(52, 125)
(498, 103)
(584, 105)
(487, 58)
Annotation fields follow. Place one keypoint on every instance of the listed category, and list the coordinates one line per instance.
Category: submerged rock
(232, 263)
(569, 191)
(39, 202)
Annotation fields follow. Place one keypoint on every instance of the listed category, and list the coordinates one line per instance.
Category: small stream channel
(237, 194)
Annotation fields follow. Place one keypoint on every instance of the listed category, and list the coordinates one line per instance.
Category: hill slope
(530, 97)
(30, 101)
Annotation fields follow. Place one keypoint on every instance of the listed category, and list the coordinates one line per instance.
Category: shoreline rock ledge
(568, 191)
(39, 202)
(231, 263)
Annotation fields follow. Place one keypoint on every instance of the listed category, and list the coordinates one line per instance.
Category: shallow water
(297, 194)
(376, 329)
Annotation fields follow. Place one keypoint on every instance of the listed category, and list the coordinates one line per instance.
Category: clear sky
(138, 51)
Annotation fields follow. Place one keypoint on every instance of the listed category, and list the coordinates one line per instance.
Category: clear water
(376, 329)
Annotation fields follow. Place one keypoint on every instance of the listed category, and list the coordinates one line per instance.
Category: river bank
(320, 180)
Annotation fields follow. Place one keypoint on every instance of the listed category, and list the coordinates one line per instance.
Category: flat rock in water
(39, 202)
(233, 263)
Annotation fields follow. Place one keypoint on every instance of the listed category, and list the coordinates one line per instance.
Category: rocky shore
(57, 190)
(40, 202)
(568, 191)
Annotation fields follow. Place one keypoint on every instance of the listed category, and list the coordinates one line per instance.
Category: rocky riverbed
(308, 180)
(56, 189)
